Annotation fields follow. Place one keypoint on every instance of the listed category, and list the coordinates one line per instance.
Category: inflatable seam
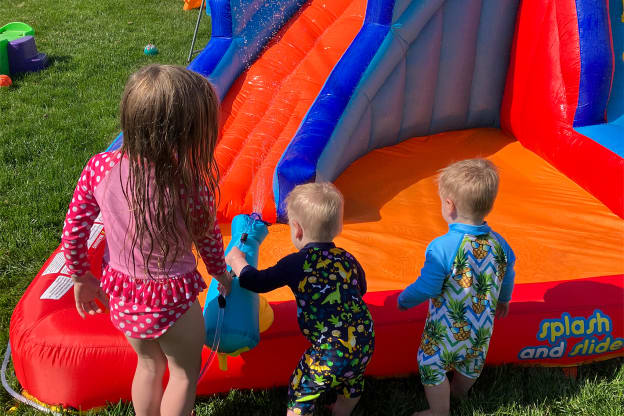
(474, 66)
(438, 65)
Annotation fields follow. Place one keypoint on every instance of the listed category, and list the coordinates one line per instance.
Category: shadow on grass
(498, 390)
(244, 402)
(533, 387)
(59, 63)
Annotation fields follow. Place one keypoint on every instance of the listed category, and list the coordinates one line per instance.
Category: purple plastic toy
(24, 57)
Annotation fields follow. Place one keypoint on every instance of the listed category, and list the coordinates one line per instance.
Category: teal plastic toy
(239, 327)
(8, 33)
(150, 49)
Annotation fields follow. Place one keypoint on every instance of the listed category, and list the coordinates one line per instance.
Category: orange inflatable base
(566, 308)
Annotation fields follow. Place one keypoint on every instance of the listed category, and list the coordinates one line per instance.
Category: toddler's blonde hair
(472, 184)
(318, 208)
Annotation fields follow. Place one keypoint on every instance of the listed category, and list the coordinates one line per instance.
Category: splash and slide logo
(557, 332)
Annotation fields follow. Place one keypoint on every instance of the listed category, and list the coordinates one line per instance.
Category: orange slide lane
(557, 230)
(266, 104)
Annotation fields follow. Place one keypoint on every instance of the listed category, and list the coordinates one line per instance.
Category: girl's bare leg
(182, 345)
(147, 389)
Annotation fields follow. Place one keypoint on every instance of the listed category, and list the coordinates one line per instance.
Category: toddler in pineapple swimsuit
(468, 276)
(328, 284)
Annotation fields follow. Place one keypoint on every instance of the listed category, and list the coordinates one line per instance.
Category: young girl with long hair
(156, 196)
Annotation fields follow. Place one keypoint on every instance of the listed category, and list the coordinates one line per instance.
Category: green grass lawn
(51, 122)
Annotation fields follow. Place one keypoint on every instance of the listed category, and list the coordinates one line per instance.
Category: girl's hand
(225, 283)
(236, 260)
(502, 309)
(86, 291)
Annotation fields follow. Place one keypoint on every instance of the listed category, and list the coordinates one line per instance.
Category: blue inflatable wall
(600, 111)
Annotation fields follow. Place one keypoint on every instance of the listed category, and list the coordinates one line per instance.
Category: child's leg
(344, 405)
(302, 388)
(438, 398)
(460, 385)
(182, 344)
(349, 392)
(147, 388)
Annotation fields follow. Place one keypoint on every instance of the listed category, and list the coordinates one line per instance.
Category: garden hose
(217, 338)
(15, 394)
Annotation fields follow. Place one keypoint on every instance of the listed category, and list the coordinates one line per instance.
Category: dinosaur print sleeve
(361, 278)
(430, 282)
(287, 271)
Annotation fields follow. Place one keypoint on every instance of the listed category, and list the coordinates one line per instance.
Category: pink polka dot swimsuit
(141, 306)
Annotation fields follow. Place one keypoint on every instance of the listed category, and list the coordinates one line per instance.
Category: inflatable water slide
(377, 96)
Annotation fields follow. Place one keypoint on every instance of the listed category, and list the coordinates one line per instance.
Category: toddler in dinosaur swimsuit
(328, 284)
(468, 276)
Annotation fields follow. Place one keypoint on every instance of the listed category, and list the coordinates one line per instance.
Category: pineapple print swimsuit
(466, 273)
(328, 284)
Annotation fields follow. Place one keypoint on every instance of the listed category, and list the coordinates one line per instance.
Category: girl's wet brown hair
(169, 119)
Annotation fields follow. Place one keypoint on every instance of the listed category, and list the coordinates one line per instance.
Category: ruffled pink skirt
(147, 308)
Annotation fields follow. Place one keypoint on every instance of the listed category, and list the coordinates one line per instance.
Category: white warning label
(97, 241)
(95, 233)
(56, 264)
(58, 288)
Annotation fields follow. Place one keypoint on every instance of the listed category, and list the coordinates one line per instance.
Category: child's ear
(298, 230)
(451, 208)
